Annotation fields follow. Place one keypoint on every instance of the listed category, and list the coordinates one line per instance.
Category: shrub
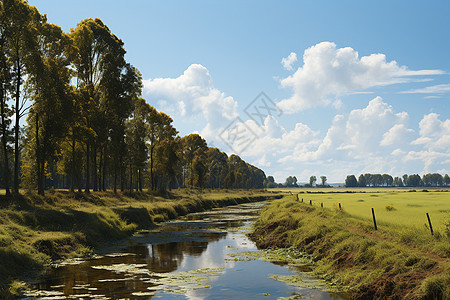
(390, 207)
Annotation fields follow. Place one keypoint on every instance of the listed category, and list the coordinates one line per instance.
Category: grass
(36, 230)
(409, 208)
(393, 262)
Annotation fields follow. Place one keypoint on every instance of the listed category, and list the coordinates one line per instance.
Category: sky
(296, 88)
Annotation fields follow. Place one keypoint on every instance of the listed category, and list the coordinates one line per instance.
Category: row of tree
(291, 181)
(414, 180)
(86, 123)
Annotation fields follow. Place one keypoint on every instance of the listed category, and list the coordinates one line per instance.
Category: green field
(400, 260)
(409, 208)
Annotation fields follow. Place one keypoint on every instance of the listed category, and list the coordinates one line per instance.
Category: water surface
(188, 258)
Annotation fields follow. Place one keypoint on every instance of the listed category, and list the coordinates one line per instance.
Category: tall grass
(394, 261)
(35, 230)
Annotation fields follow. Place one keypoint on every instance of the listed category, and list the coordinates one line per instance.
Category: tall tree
(20, 45)
(192, 146)
(5, 89)
(350, 181)
(48, 86)
(101, 78)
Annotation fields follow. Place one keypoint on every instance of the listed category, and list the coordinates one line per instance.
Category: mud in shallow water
(201, 256)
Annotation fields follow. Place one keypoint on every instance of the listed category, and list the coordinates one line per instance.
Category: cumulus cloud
(434, 133)
(396, 135)
(329, 71)
(375, 138)
(193, 95)
(288, 61)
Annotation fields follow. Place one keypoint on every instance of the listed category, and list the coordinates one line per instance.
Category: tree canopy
(87, 125)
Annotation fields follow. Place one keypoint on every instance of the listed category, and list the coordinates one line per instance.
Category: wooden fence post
(340, 206)
(429, 222)
(374, 220)
(310, 202)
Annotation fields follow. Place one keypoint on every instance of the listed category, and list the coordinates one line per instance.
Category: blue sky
(366, 88)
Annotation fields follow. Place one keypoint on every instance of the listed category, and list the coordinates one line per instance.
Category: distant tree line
(386, 180)
(291, 181)
(87, 125)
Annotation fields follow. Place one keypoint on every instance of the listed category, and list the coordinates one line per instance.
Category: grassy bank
(36, 230)
(396, 261)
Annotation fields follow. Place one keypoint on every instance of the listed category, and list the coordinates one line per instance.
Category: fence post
(429, 222)
(374, 220)
(297, 197)
(310, 202)
(340, 206)
(321, 204)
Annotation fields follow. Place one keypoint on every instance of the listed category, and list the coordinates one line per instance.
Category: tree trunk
(121, 171)
(115, 180)
(72, 169)
(104, 171)
(131, 178)
(38, 157)
(87, 187)
(100, 169)
(152, 180)
(16, 130)
(139, 180)
(94, 166)
(6, 173)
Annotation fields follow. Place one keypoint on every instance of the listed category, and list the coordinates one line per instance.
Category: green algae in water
(289, 256)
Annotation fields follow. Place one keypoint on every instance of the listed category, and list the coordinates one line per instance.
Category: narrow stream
(193, 257)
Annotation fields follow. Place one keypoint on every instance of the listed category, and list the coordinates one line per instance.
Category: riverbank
(35, 230)
(393, 262)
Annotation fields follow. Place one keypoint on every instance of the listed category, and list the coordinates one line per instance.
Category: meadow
(400, 260)
(392, 206)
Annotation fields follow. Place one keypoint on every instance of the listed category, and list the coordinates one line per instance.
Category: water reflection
(197, 242)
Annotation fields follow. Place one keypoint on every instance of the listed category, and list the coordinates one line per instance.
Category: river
(200, 256)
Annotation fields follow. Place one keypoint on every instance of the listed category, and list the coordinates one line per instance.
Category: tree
(414, 180)
(106, 87)
(291, 181)
(217, 167)
(192, 146)
(387, 179)
(446, 180)
(6, 88)
(312, 180)
(398, 182)
(362, 181)
(48, 86)
(350, 181)
(324, 180)
(270, 182)
(20, 44)
(405, 179)
(136, 138)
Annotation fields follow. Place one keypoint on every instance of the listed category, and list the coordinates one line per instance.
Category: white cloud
(435, 89)
(373, 139)
(288, 61)
(330, 71)
(434, 133)
(396, 135)
(193, 95)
